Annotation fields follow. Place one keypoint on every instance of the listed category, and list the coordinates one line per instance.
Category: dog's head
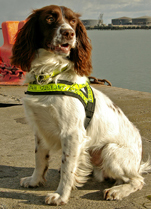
(57, 29)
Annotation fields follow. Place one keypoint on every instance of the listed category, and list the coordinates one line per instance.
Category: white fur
(58, 123)
(58, 38)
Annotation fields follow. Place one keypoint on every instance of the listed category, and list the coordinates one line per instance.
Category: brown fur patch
(38, 141)
(47, 156)
(112, 107)
(115, 108)
(44, 173)
(96, 157)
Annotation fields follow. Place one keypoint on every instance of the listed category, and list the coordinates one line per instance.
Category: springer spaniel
(52, 38)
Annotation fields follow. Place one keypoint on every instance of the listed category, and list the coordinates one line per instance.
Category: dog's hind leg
(122, 163)
(41, 166)
(118, 192)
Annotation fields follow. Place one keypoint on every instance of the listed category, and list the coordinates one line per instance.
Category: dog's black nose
(67, 33)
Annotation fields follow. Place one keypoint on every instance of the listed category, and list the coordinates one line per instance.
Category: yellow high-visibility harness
(81, 91)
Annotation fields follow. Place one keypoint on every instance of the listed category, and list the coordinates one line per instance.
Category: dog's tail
(145, 166)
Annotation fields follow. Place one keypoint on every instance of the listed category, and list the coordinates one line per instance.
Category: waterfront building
(90, 23)
(144, 20)
(122, 21)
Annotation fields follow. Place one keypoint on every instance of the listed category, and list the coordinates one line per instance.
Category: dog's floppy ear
(27, 42)
(81, 55)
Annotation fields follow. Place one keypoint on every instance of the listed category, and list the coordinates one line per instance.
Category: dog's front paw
(31, 182)
(112, 194)
(54, 199)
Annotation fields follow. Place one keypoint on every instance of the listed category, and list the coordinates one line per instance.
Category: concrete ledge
(17, 155)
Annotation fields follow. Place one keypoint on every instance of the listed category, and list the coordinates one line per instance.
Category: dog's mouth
(61, 48)
(65, 48)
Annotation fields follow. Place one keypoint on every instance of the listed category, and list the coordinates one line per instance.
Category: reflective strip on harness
(81, 91)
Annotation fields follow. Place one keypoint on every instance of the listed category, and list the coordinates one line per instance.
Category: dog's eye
(50, 19)
(73, 21)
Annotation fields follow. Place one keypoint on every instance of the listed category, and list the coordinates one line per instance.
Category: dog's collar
(81, 91)
(42, 78)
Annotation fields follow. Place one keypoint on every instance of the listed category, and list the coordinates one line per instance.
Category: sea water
(123, 57)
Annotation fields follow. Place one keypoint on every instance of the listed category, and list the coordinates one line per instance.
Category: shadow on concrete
(26, 198)
(8, 104)
(10, 179)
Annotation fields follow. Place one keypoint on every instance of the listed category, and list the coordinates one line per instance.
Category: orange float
(9, 75)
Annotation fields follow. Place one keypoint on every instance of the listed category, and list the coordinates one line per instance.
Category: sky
(21, 9)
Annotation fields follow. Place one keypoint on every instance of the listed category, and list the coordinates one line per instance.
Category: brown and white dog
(111, 146)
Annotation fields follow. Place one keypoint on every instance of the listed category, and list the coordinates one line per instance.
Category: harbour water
(121, 56)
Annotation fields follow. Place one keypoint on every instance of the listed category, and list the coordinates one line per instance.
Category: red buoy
(9, 75)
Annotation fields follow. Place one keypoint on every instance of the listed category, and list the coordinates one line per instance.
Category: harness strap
(89, 113)
(68, 89)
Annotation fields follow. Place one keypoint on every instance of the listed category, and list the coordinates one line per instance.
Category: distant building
(144, 20)
(90, 23)
(122, 21)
